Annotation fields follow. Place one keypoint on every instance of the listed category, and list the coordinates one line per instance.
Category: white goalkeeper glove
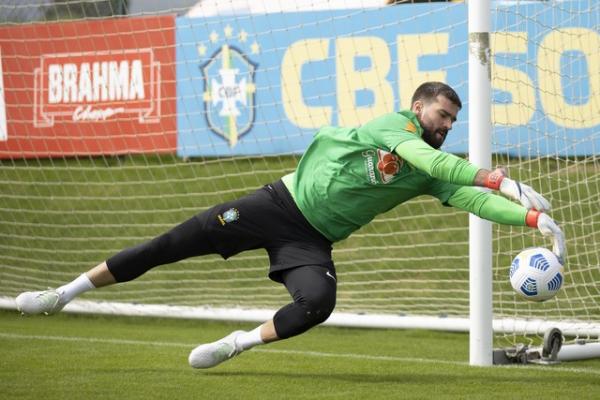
(548, 227)
(529, 198)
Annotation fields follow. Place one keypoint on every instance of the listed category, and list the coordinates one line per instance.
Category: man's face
(436, 119)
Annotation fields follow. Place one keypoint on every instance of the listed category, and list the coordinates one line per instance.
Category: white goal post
(116, 126)
(480, 153)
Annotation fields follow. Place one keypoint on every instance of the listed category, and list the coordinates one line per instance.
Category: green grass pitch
(93, 357)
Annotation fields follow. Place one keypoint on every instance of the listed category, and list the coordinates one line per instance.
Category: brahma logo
(95, 86)
(229, 90)
(388, 165)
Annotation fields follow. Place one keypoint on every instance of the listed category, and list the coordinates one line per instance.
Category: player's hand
(521, 192)
(548, 227)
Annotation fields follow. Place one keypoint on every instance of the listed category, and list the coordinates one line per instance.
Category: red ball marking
(389, 157)
(390, 168)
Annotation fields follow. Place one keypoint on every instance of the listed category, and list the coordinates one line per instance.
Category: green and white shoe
(212, 354)
(43, 302)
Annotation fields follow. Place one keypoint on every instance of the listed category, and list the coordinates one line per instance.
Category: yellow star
(243, 36)
(228, 31)
(201, 49)
(214, 36)
(255, 47)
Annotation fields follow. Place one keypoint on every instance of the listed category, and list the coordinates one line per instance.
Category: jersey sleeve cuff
(531, 219)
(493, 180)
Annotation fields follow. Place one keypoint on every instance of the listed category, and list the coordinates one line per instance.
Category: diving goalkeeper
(346, 177)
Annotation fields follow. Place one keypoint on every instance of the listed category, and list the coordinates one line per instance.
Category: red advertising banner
(102, 87)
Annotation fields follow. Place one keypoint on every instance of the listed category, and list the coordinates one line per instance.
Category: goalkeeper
(346, 177)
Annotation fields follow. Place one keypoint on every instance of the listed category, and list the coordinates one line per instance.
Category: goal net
(546, 82)
(115, 129)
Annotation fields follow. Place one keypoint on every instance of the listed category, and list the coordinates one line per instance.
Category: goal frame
(480, 153)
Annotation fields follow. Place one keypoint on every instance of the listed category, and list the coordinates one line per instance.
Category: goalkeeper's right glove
(521, 192)
(548, 227)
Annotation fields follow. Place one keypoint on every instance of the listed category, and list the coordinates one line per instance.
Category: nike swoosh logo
(331, 276)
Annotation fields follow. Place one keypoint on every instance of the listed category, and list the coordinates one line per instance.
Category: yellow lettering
(373, 79)
(549, 74)
(513, 81)
(296, 110)
(410, 47)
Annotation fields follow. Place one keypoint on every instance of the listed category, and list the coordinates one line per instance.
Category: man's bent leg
(313, 289)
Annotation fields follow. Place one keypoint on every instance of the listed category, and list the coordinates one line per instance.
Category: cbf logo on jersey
(229, 90)
(382, 164)
(228, 216)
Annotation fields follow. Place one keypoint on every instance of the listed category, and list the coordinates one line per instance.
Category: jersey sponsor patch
(388, 165)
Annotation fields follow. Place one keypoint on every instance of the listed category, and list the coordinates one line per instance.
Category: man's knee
(317, 305)
(312, 305)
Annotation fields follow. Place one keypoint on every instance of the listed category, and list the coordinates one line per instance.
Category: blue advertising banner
(264, 84)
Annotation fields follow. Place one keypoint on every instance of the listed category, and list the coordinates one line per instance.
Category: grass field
(88, 357)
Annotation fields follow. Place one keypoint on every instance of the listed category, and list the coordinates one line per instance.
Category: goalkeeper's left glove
(528, 197)
(548, 227)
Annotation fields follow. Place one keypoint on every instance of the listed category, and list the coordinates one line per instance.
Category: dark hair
(428, 91)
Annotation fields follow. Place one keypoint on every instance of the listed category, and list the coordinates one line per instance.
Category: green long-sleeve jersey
(347, 176)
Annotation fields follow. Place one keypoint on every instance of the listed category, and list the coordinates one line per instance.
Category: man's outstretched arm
(497, 180)
(450, 168)
(502, 211)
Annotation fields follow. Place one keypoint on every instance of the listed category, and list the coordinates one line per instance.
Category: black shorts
(269, 219)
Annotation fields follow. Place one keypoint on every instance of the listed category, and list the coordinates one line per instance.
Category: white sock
(80, 285)
(248, 340)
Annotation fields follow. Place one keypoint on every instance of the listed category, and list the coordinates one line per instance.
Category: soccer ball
(536, 274)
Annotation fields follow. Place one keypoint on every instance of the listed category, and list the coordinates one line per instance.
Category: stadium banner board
(264, 84)
(98, 87)
(3, 136)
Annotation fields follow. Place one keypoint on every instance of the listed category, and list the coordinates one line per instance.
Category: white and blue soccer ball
(536, 274)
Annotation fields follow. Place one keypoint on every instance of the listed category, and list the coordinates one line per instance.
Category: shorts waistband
(279, 189)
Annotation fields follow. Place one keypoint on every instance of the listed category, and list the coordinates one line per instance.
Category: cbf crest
(229, 216)
(229, 89)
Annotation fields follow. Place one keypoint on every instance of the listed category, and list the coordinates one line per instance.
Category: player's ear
(417, 106)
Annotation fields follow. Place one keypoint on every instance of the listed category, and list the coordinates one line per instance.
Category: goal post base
(553, 351)
(521, 354)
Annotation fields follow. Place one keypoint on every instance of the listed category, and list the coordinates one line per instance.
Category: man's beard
(431, 139)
